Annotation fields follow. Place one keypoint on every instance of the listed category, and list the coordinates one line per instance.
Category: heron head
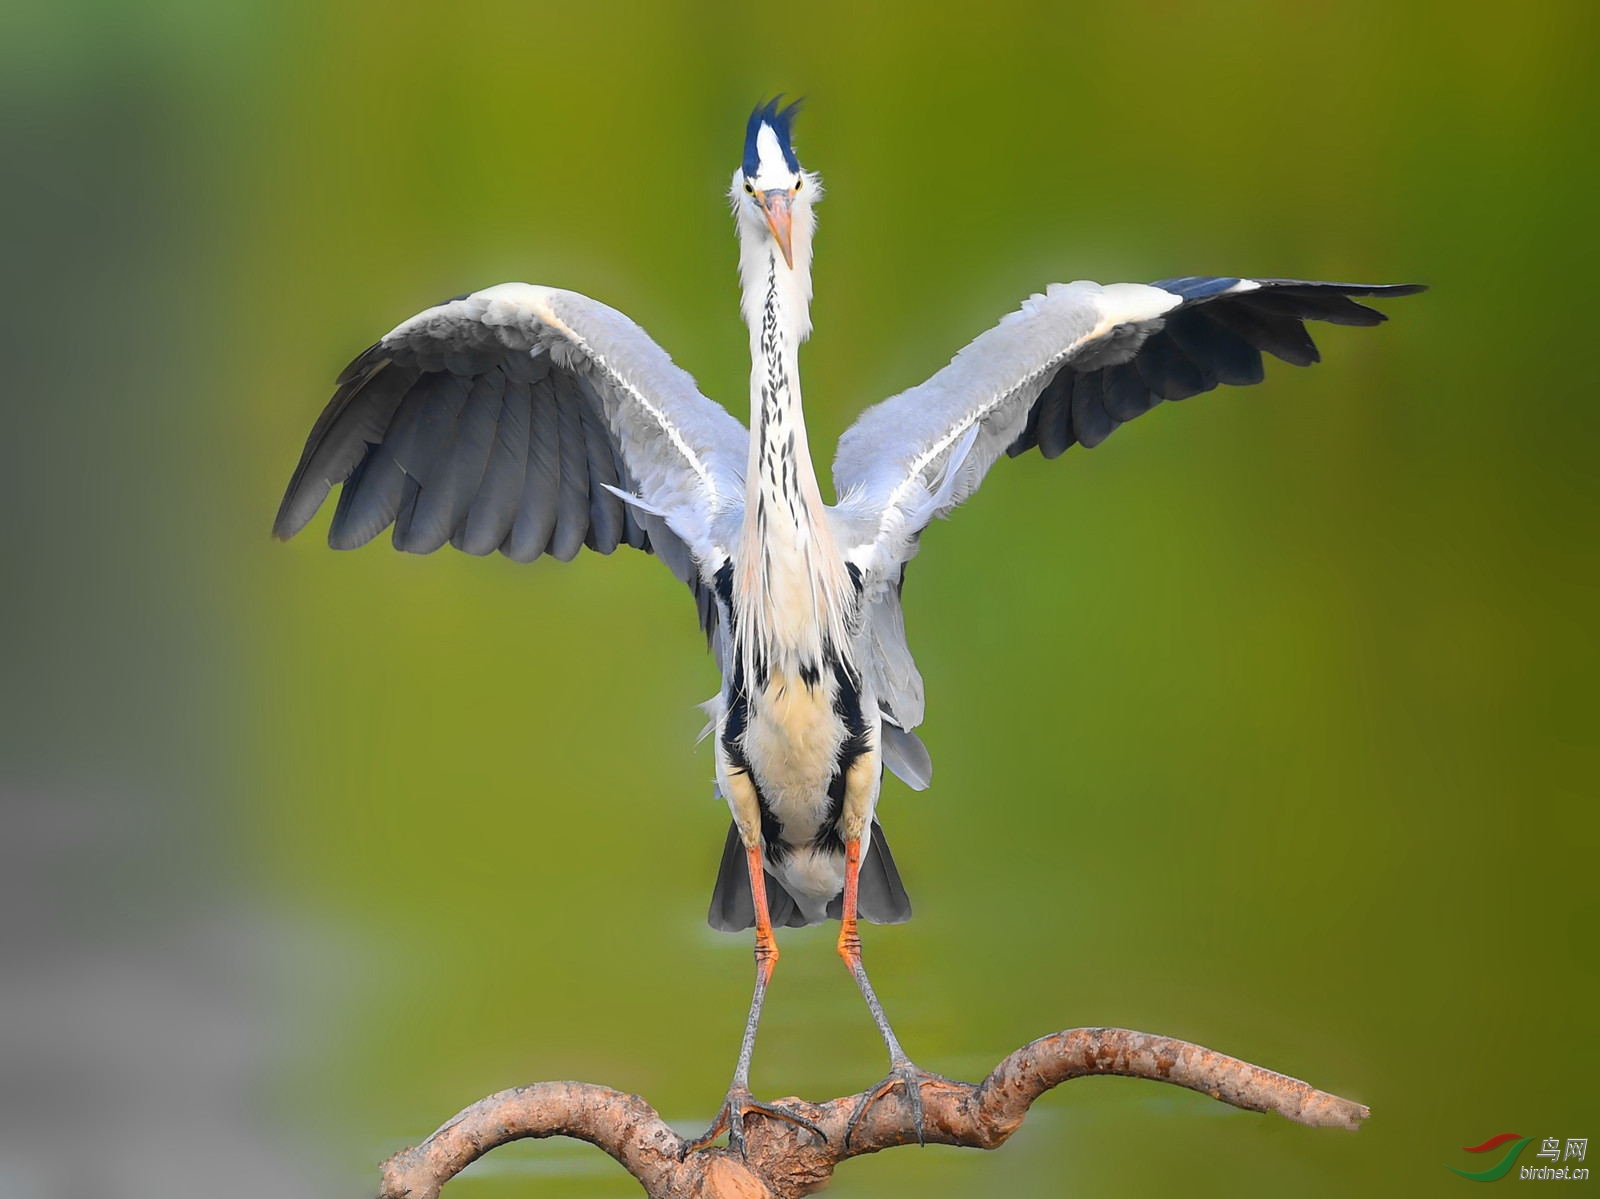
(770, 186)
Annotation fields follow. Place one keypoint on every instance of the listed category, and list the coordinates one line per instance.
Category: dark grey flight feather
(1166, 370)
(368, 504)
(494, 507)
(1126, 396)
(605, 509)
(1216, 336)
(1279, 334)
(632, 530)
(459, 473)
(368, 393)
(572, 502)
(1050, 422)
(424, 454)
(1091, 423)
(541, 486)
(1227, 357)
(494, 420)
(456, 466)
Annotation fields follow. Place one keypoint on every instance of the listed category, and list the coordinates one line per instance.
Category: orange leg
(849, 937)
(766, 943)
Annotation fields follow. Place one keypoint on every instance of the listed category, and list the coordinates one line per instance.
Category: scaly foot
(903, 1073)
(730, 1119)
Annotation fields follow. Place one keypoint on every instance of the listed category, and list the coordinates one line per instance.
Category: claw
(730, 1119)
(704, 1140)
(902, 1074)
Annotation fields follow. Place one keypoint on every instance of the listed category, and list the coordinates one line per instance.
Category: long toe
(739, 1104)
(706, 1139)
(906, 1075)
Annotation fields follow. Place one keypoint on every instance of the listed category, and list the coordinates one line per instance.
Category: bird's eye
(749, 189)
(798, 182)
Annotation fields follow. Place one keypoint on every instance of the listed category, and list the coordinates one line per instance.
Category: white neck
(792, 594)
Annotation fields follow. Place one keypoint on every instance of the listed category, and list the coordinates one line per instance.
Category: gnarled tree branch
(784, 1160)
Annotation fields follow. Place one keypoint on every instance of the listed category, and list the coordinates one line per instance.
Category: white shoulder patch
(1128, 303)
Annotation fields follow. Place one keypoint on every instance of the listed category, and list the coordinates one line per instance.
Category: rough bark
(784, 1160)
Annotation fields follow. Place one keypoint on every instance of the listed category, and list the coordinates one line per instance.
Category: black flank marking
(733, 729)
(828, 838)
(847, 709)
(722, 587)
(722, 584)
(771, 832)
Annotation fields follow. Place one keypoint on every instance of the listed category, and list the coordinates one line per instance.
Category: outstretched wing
(1068, 368)
(515, 419)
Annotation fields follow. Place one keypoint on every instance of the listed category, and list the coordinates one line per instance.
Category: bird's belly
(812, 877)
(792, 744)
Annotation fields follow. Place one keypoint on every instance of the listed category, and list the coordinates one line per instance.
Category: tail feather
(881, 897)
(733, 908)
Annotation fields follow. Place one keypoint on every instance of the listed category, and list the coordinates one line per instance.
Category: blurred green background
(1275, 730)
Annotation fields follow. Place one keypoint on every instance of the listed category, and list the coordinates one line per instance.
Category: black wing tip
(1349, 289)
(1376, 290)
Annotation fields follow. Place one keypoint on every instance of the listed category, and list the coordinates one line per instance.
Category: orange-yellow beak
(775, 205)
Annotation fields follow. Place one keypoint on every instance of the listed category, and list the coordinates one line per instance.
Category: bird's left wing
(1069, 367)
(510, 419)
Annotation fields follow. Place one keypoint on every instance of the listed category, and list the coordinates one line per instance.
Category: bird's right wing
(1069, 367)
(516, 419)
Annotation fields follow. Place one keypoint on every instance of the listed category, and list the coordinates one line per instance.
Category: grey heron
(530, 420)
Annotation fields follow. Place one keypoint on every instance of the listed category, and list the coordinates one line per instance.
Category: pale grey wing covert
(510, 419)
(1069, 367)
